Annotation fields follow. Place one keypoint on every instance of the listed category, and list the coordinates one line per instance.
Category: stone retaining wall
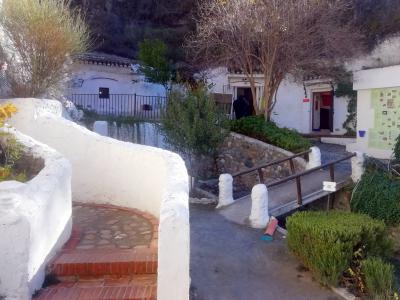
(240, 152)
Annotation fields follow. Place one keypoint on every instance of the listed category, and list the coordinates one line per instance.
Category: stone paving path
(110, 228)
(111, 255)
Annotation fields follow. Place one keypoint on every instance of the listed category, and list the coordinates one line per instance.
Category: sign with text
(329, 186)
(386, 105)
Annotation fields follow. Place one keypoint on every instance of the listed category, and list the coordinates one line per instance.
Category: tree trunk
(254, 94)
(267, 95)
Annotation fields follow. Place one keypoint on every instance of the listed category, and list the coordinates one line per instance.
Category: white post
(101, 127)
(357, 166)
(259, 215)
(225, 190)
(314, 158)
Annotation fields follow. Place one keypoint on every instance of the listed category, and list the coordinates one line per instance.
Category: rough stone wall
(239, 153)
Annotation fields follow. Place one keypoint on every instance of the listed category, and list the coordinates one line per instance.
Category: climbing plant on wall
(345, 89)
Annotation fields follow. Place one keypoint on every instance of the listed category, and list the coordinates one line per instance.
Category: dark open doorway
(323, 108)
(246, 94)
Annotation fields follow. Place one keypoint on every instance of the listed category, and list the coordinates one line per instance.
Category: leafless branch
(274, 38)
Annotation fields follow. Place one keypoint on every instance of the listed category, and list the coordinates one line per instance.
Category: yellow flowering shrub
(6, 111)
(5, 173)
(10, 149)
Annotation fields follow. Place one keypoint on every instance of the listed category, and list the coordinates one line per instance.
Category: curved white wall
(105, 170)
(44, 221)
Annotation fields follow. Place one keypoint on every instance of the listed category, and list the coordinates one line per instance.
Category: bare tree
(39, 37)
(274, 38)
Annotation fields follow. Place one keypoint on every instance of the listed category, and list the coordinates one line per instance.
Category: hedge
(379, 278)
(325, 242)
(269, 132)
(378, 195)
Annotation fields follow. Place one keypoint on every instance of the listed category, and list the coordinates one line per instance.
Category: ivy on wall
(345, 89)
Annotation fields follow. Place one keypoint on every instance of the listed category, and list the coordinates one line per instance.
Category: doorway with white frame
(322, 111)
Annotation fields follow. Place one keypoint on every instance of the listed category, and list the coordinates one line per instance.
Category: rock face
(118, 25)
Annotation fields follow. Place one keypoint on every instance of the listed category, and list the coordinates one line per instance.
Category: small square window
(104, 93)
(147, 107)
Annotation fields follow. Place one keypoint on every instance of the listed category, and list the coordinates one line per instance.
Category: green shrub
(378, 277)
(325, 242)
(378, 195)
(396, 149)
(11, 152)
(192, 124)
(268, 132)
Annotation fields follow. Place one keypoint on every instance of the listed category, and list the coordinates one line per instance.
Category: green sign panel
(386, 105)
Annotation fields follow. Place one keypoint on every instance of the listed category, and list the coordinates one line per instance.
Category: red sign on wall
(306, 100)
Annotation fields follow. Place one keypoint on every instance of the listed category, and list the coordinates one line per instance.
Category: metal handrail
(122, 105)
(117, 94)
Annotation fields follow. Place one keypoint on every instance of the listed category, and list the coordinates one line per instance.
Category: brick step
(137, 287)
(79, 263)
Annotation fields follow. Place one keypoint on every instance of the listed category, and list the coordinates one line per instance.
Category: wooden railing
(275, 162)
(297, 177)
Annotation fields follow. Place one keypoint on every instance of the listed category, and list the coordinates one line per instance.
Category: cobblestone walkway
(111, 255)
(110, 228)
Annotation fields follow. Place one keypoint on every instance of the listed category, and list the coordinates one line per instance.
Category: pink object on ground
(271, 227)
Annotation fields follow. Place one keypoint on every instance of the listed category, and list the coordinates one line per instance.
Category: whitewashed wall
(340, 114)
(290, 111)
(118, 80)
(42, 221)
(119, 173)
(364, 82)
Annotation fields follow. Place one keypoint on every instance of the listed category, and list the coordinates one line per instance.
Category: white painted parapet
(101, 127)
(259, 215)
(225, 185)
(108, 171)
(14, 244)
(357, 166)
(173, 278)
(42, 221)
(314, 158)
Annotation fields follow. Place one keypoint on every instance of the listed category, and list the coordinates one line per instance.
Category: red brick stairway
(109, 256)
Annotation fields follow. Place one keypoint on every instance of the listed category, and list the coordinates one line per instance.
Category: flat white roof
(386, 77)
